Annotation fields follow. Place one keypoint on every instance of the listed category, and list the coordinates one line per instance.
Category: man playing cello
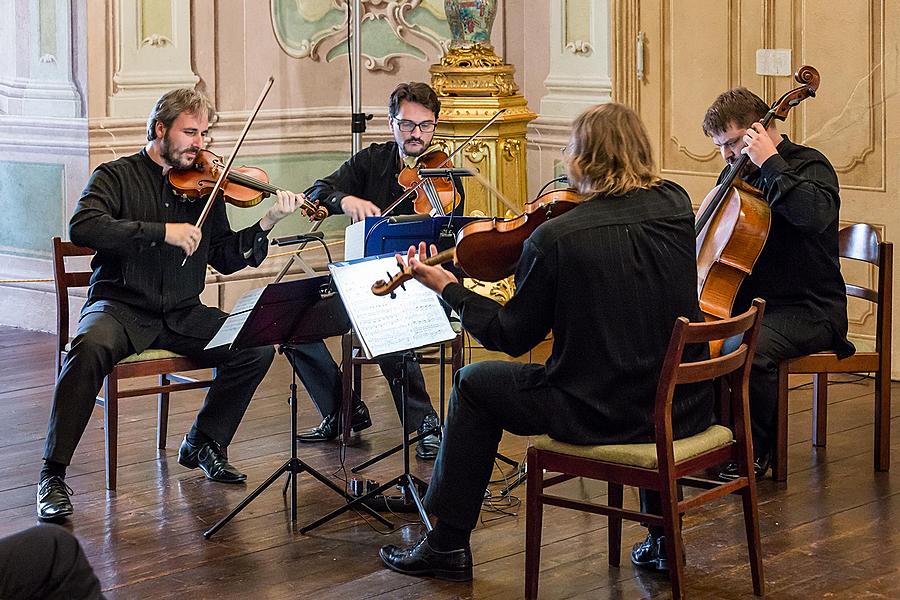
(798, 272)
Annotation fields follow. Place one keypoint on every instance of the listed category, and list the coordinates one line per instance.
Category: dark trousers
(786, 332)
(322, 379)
(487, 398)
(45, 563)
(101, 342)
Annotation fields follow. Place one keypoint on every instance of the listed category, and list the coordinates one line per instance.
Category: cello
(733, 220)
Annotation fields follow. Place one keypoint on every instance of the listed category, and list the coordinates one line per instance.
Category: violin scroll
(387, 287)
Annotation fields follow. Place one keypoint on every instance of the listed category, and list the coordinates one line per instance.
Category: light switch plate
(773, 61)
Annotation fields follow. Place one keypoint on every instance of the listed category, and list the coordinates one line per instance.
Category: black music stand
(406, 481)
(284, 314)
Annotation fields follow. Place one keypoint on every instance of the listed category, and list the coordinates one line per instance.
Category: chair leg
(111, 427)
(162, 414)
(882, 420)
(614, 525)
(779, 464)
(672, 531)
(820, 409)
(534, 508)
(751, 526)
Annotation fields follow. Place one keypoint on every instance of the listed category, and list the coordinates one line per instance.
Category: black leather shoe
(422, 560)
(651, 553)
(760, 466)
(428, 446)
(330, 428)
(211, 459)
(53, 503)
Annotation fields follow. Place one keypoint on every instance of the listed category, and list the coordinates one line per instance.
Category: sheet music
(239, 315)
(383, 324)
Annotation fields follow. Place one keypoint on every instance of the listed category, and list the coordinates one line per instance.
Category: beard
(177, 158)
(409, 148)
(414, 151)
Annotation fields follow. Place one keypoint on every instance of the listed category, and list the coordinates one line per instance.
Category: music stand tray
(284, 314)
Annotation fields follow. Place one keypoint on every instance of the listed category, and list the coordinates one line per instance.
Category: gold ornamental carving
(473, 71)
(473, 84)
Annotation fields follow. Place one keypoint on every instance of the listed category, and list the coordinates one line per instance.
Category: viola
(434, 195)
(733, 221)
(243, 186)
(490, 250)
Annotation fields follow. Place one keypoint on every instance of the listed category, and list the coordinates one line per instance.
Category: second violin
(434, 195)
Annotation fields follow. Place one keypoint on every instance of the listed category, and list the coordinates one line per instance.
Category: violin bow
(237, 144)
(466, 142)
(493, 189)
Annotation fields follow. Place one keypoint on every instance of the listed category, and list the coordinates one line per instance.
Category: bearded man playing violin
(798, 272)
(141, 297)
(363, 187)
(609, 278)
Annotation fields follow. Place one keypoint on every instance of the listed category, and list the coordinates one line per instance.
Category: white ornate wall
(579, 43)
(43, 147)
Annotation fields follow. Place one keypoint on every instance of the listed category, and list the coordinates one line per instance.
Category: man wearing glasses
(362, 187)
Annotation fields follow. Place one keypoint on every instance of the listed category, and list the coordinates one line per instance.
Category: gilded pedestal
(473, 84)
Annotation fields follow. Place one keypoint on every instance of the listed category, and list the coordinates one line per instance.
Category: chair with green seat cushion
(151, 363)
(664, 464)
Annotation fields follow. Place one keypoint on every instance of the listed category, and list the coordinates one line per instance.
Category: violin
(434, 195)
(243, 186)
(490, 249)
(733, 221)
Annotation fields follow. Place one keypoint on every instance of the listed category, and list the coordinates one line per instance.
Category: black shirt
(137, 277)
(799, 265)
(608, 278)
(370, 174)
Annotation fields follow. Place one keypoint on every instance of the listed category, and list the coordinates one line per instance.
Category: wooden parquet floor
(832, 532)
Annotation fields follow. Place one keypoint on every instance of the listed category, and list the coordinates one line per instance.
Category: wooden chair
(662, 465)
(353, 359)
(860, 242)
(160, 363)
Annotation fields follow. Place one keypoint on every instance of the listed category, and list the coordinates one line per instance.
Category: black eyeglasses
(407, 126)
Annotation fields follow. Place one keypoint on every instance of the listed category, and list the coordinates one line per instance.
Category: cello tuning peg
(393, 295)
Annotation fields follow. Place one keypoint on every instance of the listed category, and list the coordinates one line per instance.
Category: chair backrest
(734, 365)
(62, 281)
(863, 242)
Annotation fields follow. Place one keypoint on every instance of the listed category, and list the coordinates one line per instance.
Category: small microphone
(302, 238)
(445, 173)
(408, 218)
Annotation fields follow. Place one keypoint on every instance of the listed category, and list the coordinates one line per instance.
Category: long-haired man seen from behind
(608, 278)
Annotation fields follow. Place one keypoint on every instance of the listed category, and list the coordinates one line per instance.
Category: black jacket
(137, 277)
(799, 265)
(608, 278)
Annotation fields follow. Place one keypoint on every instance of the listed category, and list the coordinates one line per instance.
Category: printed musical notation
(414, 318)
